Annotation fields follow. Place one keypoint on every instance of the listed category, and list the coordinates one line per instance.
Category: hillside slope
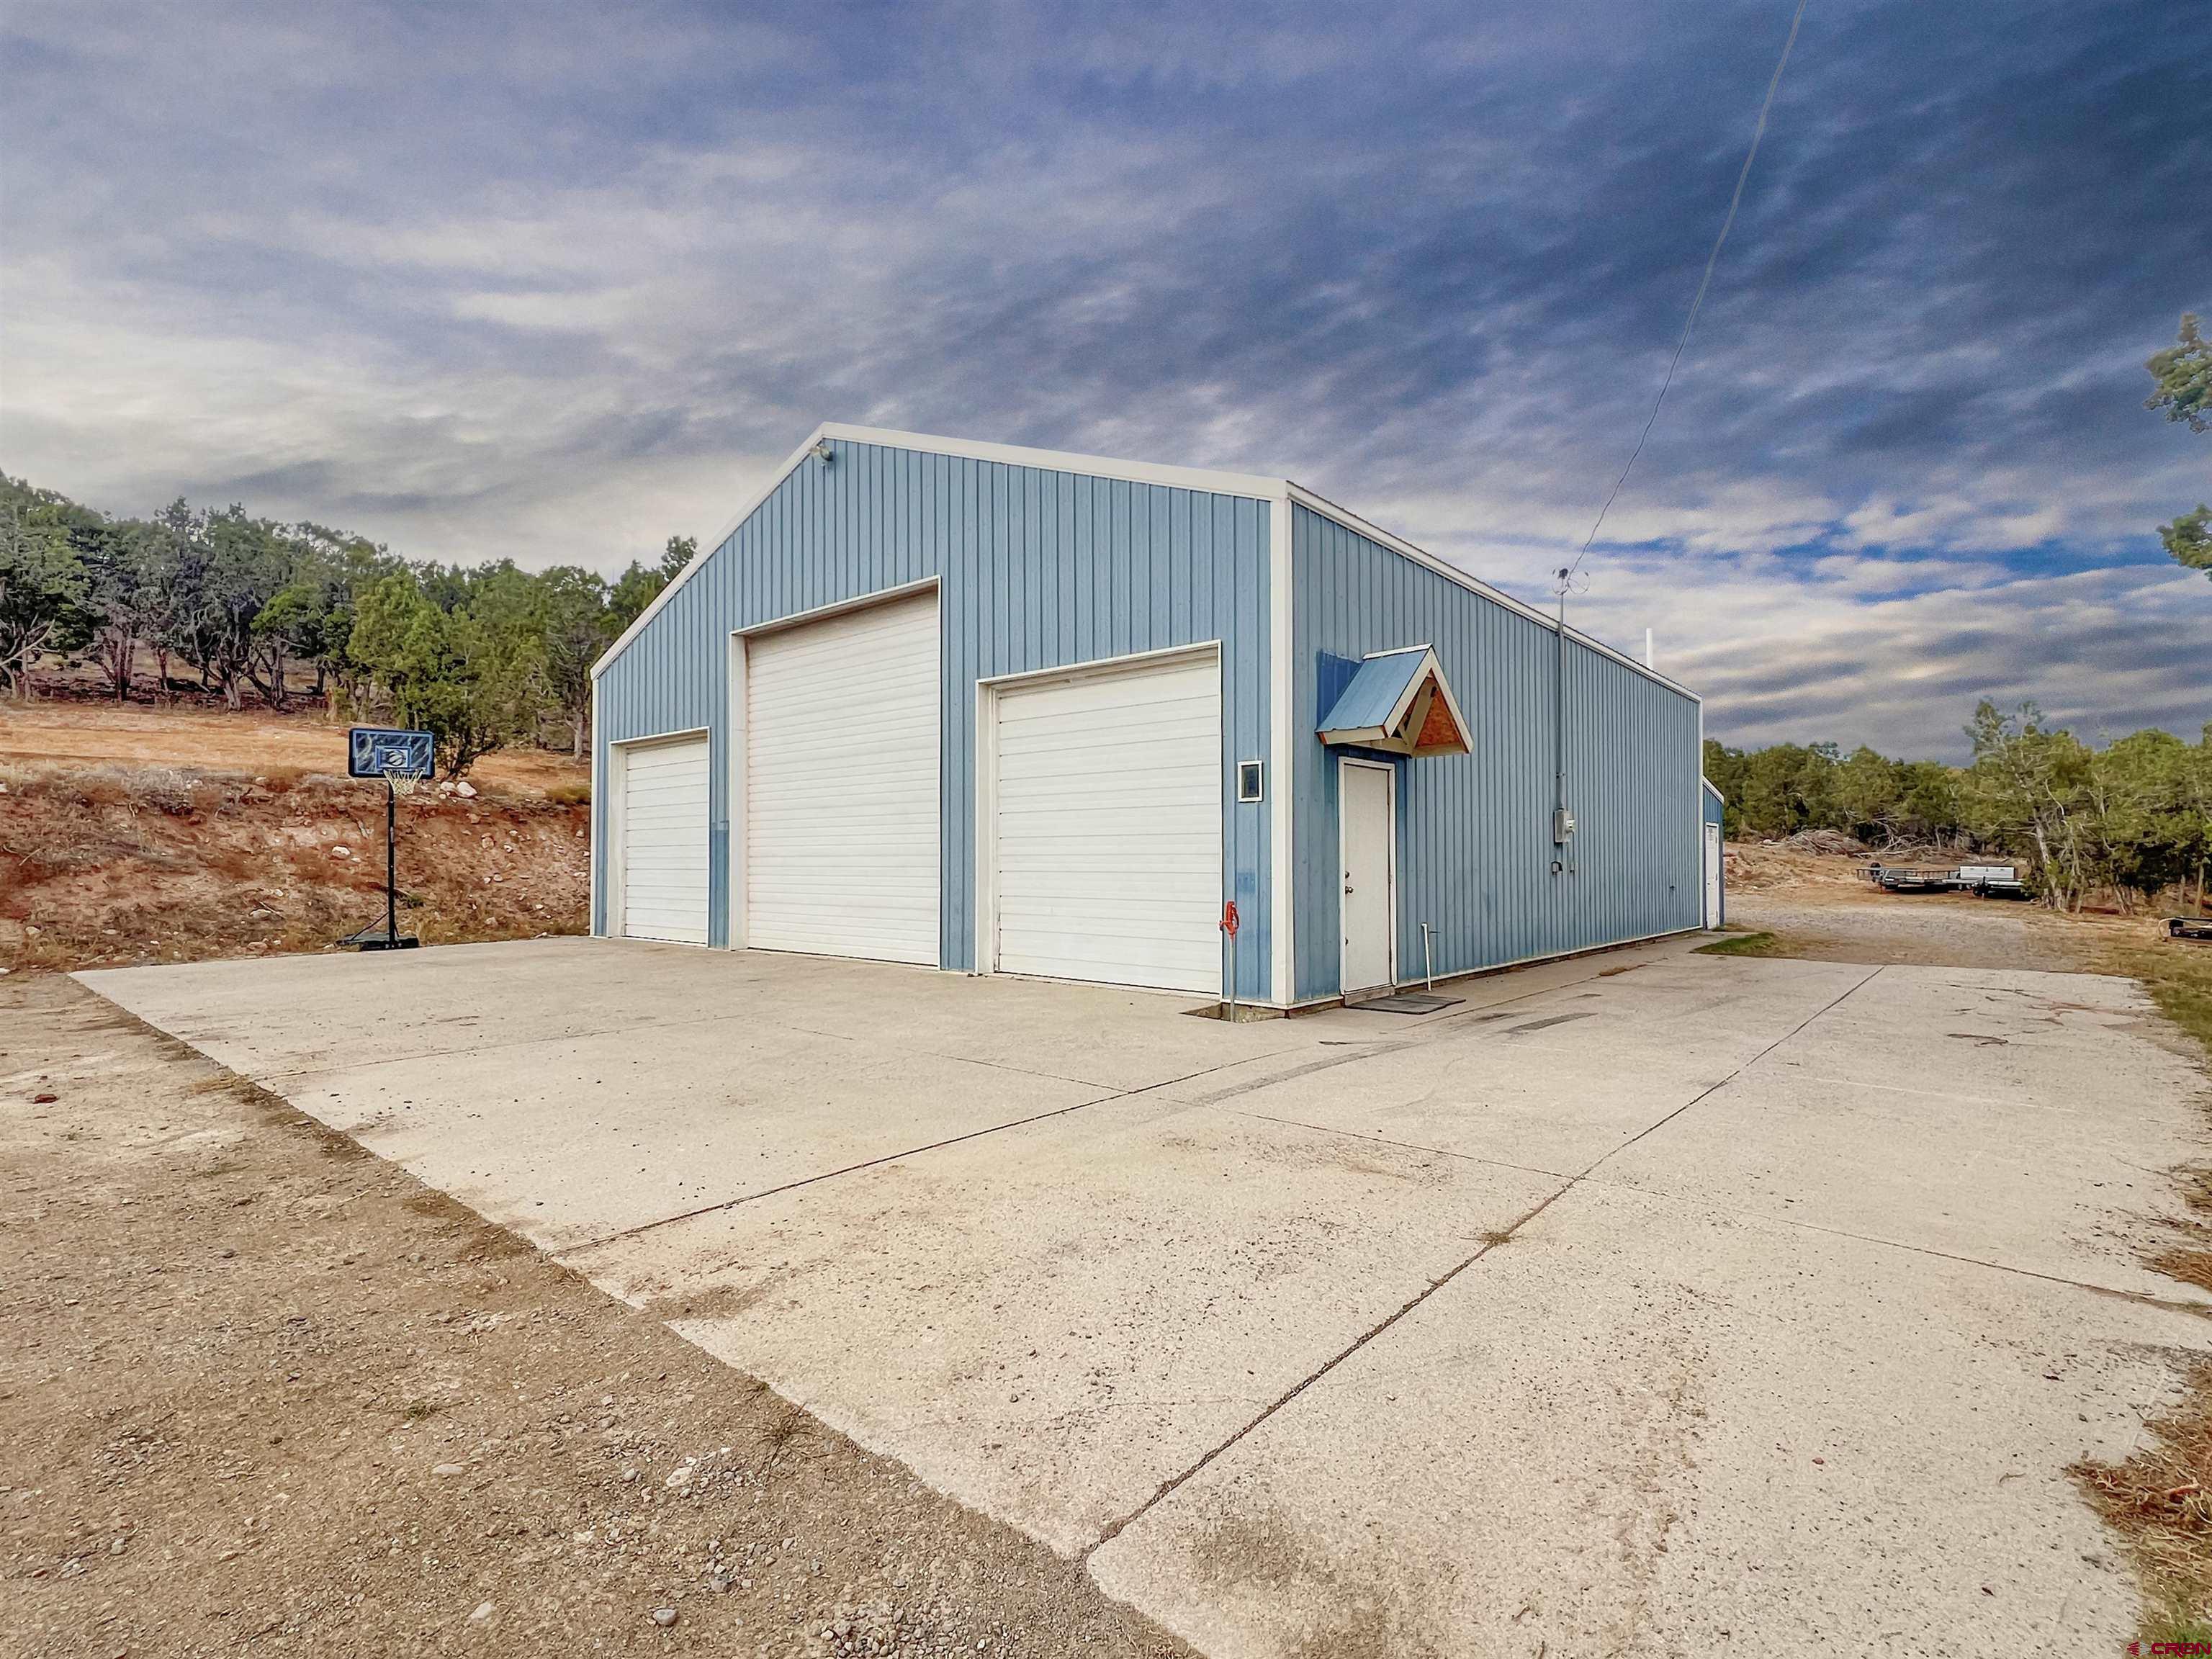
(103, 860)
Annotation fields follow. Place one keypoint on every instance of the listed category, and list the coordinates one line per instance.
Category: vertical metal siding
(1475, 849)
(1037, 569)
(1715, 812)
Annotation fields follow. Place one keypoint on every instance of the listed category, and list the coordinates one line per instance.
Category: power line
(1705, 281)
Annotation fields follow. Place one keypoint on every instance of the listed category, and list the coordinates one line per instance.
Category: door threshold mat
(1408, 1002)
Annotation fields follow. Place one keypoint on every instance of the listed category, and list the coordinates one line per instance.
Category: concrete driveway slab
(1051, 1322)
(277, 1016)
(1553, 1084)
(1644, 1428)
(2070, 1194)
(2040, 1040)
(1529, 1109)
(585, 1137)
(1229, 1304)
(271, 1016)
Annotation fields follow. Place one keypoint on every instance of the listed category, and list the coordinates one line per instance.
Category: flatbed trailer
(2196, 927)
(1983, 881)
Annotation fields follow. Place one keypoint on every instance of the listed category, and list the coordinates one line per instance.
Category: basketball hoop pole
(398, 757)
(391, 862)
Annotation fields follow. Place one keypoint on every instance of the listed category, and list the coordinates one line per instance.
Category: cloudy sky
(556, 281)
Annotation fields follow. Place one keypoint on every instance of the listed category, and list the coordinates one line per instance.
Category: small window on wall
(1249, 775)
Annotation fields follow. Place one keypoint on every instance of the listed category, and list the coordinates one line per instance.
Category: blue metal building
(998, 709)
(1716, 859)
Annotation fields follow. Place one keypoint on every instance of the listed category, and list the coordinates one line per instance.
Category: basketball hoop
(403, 759)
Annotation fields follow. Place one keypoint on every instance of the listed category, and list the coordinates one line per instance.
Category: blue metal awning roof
(1374, 692)
(1398, 701)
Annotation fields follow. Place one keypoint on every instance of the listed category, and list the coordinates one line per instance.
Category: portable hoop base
(396, 782)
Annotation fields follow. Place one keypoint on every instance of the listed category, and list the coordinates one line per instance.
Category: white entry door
(663, 840)
(1367, 830)
(1107, 827)
(1713, 855)
(841, 751)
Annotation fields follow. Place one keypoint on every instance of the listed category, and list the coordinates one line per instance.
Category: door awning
(1399, 702)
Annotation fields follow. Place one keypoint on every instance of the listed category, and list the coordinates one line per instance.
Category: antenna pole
(1560, 731)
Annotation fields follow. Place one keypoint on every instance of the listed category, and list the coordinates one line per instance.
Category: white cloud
(555, 293)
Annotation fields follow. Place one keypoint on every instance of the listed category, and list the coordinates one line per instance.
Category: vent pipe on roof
(1647, 648)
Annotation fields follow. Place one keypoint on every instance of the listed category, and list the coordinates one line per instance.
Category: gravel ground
(258, 1387)
(1937, 929)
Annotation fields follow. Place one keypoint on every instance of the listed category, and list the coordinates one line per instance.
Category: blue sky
(555, 282)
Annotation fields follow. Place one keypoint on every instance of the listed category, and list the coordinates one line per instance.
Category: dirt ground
(257, 1386)
(1818, 906)
(73, 733)
(134, 835)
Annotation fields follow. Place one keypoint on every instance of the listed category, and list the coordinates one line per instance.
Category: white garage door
(1108, 827)
(664, 830)
(841, 785)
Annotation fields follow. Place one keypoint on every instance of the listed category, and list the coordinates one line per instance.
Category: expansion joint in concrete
(894, 1157)
(1491, 1242)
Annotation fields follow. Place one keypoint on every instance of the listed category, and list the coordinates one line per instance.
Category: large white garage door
(841, 784)
(664, 830)
(1108, 827)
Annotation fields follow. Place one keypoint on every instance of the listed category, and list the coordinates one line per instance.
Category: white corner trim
(1283, 799)
(1452, 572)
(737, 665)
(594, 846)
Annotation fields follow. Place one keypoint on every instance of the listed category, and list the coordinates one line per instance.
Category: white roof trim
(1100, 467)
(792, 463)
(1060, 460)
(1452, 572)
(1050, 460)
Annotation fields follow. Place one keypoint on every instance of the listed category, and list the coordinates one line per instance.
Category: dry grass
(2160, 1500)
(2177, 972)
(1747, 944)
(63, 735)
